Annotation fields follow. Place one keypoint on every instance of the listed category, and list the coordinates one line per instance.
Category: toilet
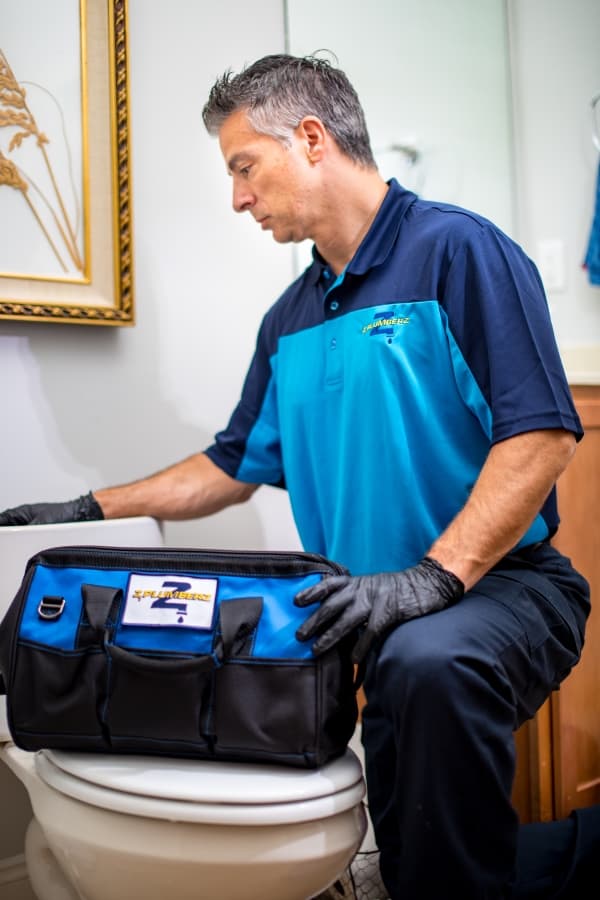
(109, 827)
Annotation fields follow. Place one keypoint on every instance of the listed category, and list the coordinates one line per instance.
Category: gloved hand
(84, 509)
(378, 601)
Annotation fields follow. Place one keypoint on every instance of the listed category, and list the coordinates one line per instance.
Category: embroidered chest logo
(385, 323)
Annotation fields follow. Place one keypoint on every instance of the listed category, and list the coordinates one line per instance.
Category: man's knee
(424, 662)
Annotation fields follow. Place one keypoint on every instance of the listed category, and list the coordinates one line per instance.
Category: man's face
(273, 182)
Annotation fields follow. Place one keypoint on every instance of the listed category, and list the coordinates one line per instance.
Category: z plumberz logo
(179, 600)
(385, 323)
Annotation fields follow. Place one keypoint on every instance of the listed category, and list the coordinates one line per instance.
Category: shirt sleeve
(499, 316)
(249, 448)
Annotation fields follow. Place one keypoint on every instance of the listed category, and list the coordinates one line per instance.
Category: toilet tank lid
(208, 781)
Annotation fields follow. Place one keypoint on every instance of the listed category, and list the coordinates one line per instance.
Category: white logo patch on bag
(170, 599)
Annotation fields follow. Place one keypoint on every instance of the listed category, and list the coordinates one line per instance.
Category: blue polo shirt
(374, 398)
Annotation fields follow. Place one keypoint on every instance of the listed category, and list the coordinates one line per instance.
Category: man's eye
(244, 171)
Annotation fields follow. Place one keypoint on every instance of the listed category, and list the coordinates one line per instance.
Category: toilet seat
(201, 791)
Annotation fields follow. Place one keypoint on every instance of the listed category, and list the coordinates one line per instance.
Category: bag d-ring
(51, 607)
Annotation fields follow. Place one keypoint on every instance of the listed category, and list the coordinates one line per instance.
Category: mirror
(434, 81)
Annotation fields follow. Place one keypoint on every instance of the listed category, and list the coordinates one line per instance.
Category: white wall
(556, 72)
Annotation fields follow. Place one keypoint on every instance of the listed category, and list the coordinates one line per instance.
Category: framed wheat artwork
(65, 191)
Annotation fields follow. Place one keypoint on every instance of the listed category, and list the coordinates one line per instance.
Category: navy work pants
(445, 694)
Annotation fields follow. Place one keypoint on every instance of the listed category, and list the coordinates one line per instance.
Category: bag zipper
(243, 562)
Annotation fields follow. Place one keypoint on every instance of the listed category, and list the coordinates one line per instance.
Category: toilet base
(184, 863)
(47, 879)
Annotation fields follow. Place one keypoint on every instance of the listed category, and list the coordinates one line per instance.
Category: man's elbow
(245, 491)
(565, 450)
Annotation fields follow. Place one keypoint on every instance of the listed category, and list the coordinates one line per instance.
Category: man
(407, 391)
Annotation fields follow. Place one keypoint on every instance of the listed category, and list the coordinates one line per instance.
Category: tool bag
(175, 652)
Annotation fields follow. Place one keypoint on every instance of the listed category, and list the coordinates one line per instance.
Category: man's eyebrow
(235, 160)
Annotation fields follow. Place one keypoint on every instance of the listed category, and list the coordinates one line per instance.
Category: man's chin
(282, 237)
(287, 237)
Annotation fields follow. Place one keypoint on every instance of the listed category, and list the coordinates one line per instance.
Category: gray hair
(278, 91)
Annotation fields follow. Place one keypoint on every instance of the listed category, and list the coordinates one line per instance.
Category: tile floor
(362, 880)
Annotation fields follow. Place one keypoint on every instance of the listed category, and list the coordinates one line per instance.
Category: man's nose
(242, 198)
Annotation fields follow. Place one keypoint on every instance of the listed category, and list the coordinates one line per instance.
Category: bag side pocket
(56, 698)
(163, 701)
(266, 711)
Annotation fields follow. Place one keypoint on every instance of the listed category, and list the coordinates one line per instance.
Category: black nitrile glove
(378, 601)
(84, 509)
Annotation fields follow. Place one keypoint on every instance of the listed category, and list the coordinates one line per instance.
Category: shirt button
(333, 344)
(326, 273)
(334, 305)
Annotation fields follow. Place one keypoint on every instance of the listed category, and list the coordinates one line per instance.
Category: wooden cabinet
(558, 752)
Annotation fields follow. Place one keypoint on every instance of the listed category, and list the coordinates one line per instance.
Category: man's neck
(349, 218)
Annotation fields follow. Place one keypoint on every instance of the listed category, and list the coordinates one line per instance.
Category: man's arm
(518, 475)
(188, 489)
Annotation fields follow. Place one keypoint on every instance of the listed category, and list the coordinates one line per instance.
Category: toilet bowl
(111, 827)
(141, 827)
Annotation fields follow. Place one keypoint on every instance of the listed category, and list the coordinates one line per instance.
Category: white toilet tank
(19, 543)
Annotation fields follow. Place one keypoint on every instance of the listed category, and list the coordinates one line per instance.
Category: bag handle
(238, 619)
(98, 601)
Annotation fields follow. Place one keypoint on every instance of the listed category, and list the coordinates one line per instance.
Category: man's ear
(313, 133)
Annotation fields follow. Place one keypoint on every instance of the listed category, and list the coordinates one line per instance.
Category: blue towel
(592, 259)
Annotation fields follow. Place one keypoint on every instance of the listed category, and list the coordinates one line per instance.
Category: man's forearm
(189, 489)
(511, 489)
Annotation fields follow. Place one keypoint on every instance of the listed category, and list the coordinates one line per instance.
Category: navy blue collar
(379, 239)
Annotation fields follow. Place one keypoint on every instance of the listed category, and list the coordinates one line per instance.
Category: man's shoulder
(456, 227)
(448, 217)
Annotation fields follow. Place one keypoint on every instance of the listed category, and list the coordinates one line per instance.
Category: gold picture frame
(65, 183)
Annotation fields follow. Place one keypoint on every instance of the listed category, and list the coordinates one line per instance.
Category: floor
(362, 881)
(14, 885)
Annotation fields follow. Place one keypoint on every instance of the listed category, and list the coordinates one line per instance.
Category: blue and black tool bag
(175, 652)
